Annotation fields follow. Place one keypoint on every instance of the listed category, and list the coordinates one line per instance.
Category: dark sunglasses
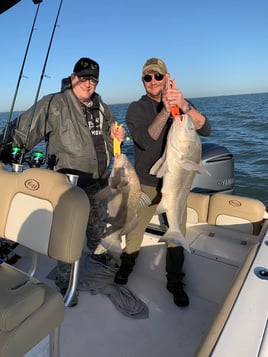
(89, 78)
(157, 76)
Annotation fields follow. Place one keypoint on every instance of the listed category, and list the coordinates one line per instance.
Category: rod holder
(73, 179)
(17, 168)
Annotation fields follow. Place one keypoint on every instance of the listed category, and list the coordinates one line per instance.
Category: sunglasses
(90, 78)
(157, 76)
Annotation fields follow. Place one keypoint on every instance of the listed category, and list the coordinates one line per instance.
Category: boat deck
(95, 327)
(220, 260)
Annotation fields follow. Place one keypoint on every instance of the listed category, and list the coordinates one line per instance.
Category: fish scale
(123, 196)
(178, 166)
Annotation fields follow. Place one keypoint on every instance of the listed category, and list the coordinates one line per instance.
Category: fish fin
(175, 237)
(189, 165)
(114, 202)
(100, 250)
(156, 166)
(112, 243)
(118, 178)
(107, 194)
(109, 230)
(144, 200)
(160, 208)
(193, 166)
(204, 171)
(115, 222)
(104, 194)
(160, 167)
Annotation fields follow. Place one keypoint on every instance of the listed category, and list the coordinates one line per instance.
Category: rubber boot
(127, 264)
(174, 263)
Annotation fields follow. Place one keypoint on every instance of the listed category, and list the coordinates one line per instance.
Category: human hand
(173, 97)
(117, 132)
(172, 101)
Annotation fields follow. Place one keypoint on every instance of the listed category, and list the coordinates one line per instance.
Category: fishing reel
(35, 159)
(15, 154)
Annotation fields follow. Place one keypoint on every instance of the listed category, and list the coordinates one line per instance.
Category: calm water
(240, 123)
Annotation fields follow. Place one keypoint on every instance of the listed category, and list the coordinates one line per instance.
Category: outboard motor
(219, 162)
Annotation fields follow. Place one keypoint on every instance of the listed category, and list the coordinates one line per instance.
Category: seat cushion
(41, 203)
(20, 297)
(237, 213)
(197, 207)
(35, 327)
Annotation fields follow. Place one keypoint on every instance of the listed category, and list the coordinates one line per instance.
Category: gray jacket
(59, 119)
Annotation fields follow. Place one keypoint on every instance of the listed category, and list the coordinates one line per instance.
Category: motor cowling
(219, 162)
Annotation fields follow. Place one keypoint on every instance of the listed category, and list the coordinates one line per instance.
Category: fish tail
(100, 250)
(177, 238)
(112, 243)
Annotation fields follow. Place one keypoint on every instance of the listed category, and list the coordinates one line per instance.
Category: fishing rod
(21, 71)
(23, 150)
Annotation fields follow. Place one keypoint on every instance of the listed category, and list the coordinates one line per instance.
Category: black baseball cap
(86, 67)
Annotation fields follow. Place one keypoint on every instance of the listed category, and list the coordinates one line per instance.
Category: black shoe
(127, 264)
(121, 277)
(179, 295)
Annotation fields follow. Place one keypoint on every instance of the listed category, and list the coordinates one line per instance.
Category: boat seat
(237, 213)
(197, 208)
(42, 211)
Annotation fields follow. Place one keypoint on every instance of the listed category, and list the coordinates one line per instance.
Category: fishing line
(23, 150)
(21, 71)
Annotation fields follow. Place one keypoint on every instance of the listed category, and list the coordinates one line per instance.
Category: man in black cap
(78, 128)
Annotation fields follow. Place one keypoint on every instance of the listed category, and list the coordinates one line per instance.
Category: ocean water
(240, 123)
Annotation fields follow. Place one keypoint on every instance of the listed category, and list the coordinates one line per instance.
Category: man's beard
(155, 95)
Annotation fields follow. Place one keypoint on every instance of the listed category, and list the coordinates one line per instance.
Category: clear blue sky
(211, 47)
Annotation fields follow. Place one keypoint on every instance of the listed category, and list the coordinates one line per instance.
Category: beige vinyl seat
(238, 213)
(197, 207)
(42, 211)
